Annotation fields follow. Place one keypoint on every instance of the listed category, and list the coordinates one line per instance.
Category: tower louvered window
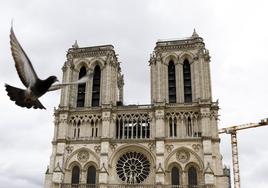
(187, 81)
(75, 175)
(96, 87)
(171, 82)
(81, 89)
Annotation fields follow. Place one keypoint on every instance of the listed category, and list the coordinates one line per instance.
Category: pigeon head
(52, 79)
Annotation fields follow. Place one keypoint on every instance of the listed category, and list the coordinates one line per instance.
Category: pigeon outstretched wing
(23, 64)
(80, 81)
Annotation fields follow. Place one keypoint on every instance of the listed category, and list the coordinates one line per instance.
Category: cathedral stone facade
(173, 142)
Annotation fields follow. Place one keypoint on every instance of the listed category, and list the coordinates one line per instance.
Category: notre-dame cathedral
(171, 143)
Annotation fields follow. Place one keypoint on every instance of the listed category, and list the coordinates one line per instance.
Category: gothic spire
(75, 45)
(195, 35)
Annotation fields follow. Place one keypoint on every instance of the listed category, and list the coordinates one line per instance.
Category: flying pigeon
(35, 87)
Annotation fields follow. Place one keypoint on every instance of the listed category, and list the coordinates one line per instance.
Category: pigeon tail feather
(19, 96)
(37, 104)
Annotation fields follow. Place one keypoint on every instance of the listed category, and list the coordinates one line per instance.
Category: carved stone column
(207, 143)
(160, 123)
(67, 76)
(160, 146)
(59, 151)
(104, 148)
(160, 162)
(106, 119)
(104, 174)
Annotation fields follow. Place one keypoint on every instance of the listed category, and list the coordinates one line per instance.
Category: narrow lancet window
(96, 86)
(171, 82)
(91, 175)
(192, 177)
(75, 175)
(173, 127)
(187, 81)
(175, 176)
(81, 89)
(77, 129)
(94, 128)
(189, 127)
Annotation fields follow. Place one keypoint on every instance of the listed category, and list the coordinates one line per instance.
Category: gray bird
(35, 87)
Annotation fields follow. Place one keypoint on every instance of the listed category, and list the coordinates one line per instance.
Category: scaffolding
(233, 132)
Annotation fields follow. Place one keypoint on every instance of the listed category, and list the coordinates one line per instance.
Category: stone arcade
(173, 142)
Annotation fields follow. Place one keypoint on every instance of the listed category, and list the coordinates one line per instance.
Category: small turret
(75, 45)
(195, 35)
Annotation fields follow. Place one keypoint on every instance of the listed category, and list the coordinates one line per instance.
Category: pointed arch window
(187, 81)
(77, 129)
(81, 89)
(189, 127)
(96, 86)
(192, 177)
(94, 128)
(75, 175)
(173, 127)
(91, 175)
(171, 82)
(175, 176)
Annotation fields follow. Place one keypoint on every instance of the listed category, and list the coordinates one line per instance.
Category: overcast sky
(235, 32)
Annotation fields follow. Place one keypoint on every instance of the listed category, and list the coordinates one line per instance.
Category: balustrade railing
(188, 186)
(130, 186)
(65, 185)
(133, 186)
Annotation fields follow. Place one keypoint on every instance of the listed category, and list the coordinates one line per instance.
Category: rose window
(133, 167)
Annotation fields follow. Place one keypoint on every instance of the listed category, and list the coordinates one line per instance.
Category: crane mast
(232, 131)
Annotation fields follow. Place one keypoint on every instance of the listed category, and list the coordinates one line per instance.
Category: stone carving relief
(74, 119)
(151, 146)
(97, 148)
(196, 147)
(214, 114)
(182, 115)
(160, 168)
(69, 57)
(106, 117)
(183, 156)
(113, 146)
(69, 149)
(159, 115)
(83, 156)
(205, 115)
(169, 148)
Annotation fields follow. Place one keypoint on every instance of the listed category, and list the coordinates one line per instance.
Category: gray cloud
(234, 31)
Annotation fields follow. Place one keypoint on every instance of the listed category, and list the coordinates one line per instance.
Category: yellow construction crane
(232, 131)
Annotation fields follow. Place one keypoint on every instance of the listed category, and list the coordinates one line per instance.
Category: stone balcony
(135, 122)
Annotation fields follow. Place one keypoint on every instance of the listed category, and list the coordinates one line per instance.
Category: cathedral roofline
(180, 42)
(108, 47)
(91, 51)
